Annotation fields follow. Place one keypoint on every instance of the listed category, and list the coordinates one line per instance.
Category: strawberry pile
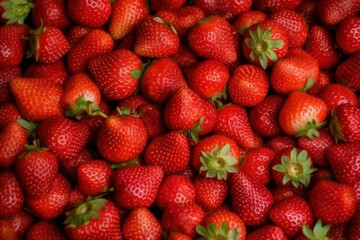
(177, 120)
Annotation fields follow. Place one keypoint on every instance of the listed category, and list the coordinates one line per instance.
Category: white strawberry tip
(16, 11)
(310, 130)
(318, 233)
(213, 232)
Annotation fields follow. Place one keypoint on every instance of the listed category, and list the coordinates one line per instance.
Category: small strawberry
(75, 198)
(151, 115)
(331, 12)
(346, 35)
(8, 113)
(11, 195)
(267, 232)
(347, 72)
(308, 10)
(335, 94)
(272, 6)
(321, 83)
(16, 11)
(281, 192)
(137, 186)
(226, 9)
(53, 72)
(45, 230)
(6, 74)
(209, 121)
(133, 103)
(246, 19)
(50, 13)
(7, 231)
(184, 57)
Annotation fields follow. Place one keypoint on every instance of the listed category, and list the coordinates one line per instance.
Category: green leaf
(279, 168)
(136, 74)
(271, 55)
(286, 179)
(308, 232)
(276, 43)
(201, 230)
(30, 126)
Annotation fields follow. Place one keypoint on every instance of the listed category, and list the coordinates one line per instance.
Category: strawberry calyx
(318, 233)
(218, 163)
(217, 98)
(84, 107)
(212, 232)
(84, 212)
(126, 111)
(16, 10)
(297, 168)
(335, 128)
(310, 130)
(309, 84)
(194, 132)
(262, 46)
(34, 41)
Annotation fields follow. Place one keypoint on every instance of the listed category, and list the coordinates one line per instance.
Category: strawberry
(344, 125)
(321, 46)
(177, 236)
(331, 12)
(7, 231)
(170, 5)
(267, 232)
(15, 11)
(346, 35)
(174, 144)
(264, 43)
(50, 13)
(225, 9)
(75, 198)
(5, 75)
(8, 113)
(347, 72)
(133, 103)
(70, 166)
(96, 42)
(335, 94)
(344, 161)
(96, 218)
(210, 192)
(93, 14)
(121, 138)
(257, 164)
(290, 214)
(126, 15)
(52, 204)
(130, 184)
(301, 114)
(184, 57)
(332, 202)
(45, 230)
(155, 38)
(246, 19)
(151, 115)
(182, 217)
(216, 156)
(222, 223)
(175, 189)
(280, 143)
(161, 79)
(75, 33)
(221, 46)
(264, 116)
(116, 73)
(272, 6)
(94, 177)
(281, 192)
(230, 119)
(209, 121)
(354, 230)
(46, 104)
(294, 24)
(141, 223)
(249, 199)
(248, 85)
(53, 72)
(12, 196)
(21, 222)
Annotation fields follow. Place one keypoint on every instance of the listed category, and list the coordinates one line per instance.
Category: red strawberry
(155, 38)
(182, 217)
(50, 13)
(174, 144)
(345, 123)
(53, 72)
(248, 85)
(267, 232)
(321, 83)
(332, 12)
(216, 156)
(290, 214)
(157, 5)
(45, 230)
(354, 230)
(125, 16)
(15, 11)
(96, 42)
(335, 94)
(346, 35)
(11, 195)
(161, 79)
(264, 43)
(93, 177)
(246, 19)
(137, 186)
(6, 74)
(280, 143)
(214, 38)
(347, 72)
(332, 202)
(96, 218)
(301, 114)
(209, 121)
(21, 222)
(249, 199)
(71, 165)
(52, 204)
(225, 9)
(91, 14)
(281, 192)
(151, 115)
(116, 73)
(8, 113)
(75, 33)
(272, 6)
(184, 57)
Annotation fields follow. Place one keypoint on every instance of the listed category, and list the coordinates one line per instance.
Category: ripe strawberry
(170, 5)
(263, 44)
(249, 199)
(70, 166)
(210, 192)
(174, 144)
(280, 143)
(53, 72)
(225, 9)
(184, 57)
(155, 38)
(290, 214)
(116, 73)
(301, 114)
(7, 231)
(75, 33)
(126, 15)
(209, 121)
(96, 42)
(344, 125)
(233, 122)
(248, 85)
(331, 12)
(8, 113)
(347, 72)
(11, 195)
(6, 74)
(216, 156)
(91, 14)
(93, 177)
(21, 222)
(246, 19)
(332, 202)
(45, 230)
(52, 204)
(75, 198)
(267, 232)
(130, 184)
(96, 218)
(151, 115)
(297, 71)
(175, 189)
(272, 6)
(50, 13)
(335, 94)
(346, 35)
(214, 38)
(308, 10)
(281, 192)
(182, 217)
(161, 79)
(46, 104)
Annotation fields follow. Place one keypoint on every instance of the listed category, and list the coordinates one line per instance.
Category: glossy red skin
(347, 35)
(246, 19)
(71, 165)
(45, 230)
(321, 83)
(50, 13)
(75, 33)
(223, 8)
(336, 94)
(12, 196)
(332, 12)
(267, 232)
(8, 113)
(54, 72)
(184, 57)
(151, 115)
(5, 75)
(348, 118)
(21, 222)
(308, 9)
(348, 72)
(209, 121)
(169, 5)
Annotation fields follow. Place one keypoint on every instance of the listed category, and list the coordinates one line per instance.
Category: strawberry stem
(16, 10)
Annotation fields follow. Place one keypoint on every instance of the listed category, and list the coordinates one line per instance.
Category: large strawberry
(246, 19)
(11, 195)
(269, 6)
(50, 13)
(226, 9)
(336, 94)
(331, 12)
